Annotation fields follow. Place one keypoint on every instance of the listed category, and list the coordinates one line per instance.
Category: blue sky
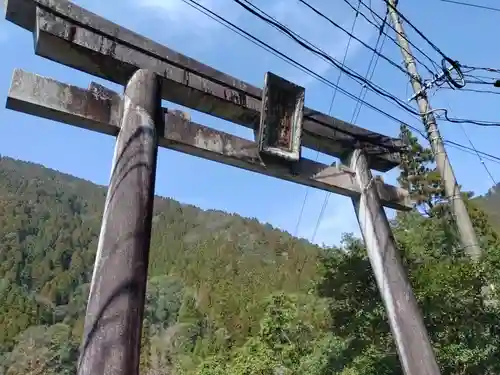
(209, 185)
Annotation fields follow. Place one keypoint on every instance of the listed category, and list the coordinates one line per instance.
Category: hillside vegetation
(231, 296)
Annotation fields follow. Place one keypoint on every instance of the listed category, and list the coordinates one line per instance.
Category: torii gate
(150, 72)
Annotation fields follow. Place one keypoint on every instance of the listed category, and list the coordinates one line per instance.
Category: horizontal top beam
(201, 87)
(98, 109)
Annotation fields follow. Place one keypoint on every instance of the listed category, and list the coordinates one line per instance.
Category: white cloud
(189, 23)
(318, 30)
(182, 18)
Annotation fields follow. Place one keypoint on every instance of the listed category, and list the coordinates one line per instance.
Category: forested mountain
(490, 203)
(228, 295)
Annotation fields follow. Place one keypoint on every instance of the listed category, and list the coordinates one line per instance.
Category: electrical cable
(485, 7)
(480, 79)
(373, 13)
(294, 35)
(477, 91)
(317, 154)
(379, 90)
(479, 82)
(445, 57)
(476, 152)
(395, 100)
(454, 65)
(231, 26)
(317, 76)
(374, 60)
(417, 30)
(447, 74)
(467, 121)
(290, 61)
(479, 156)
(461, 147)
(493, 70)
(357, 110)
(287, 31)
(327, 194)
(370, 5)
(311, 47)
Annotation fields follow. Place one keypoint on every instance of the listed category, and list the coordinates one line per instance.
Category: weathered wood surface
(405, 318)
(73, 36)
(96, 109)
(58, 103)
(113, 321)
(282, 114)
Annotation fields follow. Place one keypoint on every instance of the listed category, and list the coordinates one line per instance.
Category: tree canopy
(229, 296)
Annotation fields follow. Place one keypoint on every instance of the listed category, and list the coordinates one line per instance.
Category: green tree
(290, 341)
(419, 175)
(43, 350)
(230, 295)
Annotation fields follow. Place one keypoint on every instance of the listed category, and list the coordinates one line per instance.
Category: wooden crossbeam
(78, 38)
(98, 109)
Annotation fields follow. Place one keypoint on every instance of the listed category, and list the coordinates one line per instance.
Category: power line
(479, 82)
(327, 195)
(373, 13)
(320, 78)
(485, 7)
(379, 90)
(417, 30)
(465, 121)
(478, 78)
(476, 151)
(378, 55)
(458, 146)
(357, 109)
(493, 70)
(287, 59)
(459, 211)
(288, 31)
(374, 60)
(478, 155)
(461, 147)
(411, 110)
(475, 90)
(316, 50)
(396, 100)
(438, 50)
(231, 26)
(317, 154)
(303, 42)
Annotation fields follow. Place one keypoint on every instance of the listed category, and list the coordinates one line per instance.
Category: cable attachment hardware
(445, 76)
(454, 65)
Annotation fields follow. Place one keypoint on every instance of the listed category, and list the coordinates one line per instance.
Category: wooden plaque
(281, 117)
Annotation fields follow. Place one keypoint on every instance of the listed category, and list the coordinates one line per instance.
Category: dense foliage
(230, 296)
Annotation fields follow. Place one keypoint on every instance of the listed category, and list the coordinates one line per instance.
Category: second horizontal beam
(98, 109)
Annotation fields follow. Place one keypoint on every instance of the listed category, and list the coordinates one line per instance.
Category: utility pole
(452, 190)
